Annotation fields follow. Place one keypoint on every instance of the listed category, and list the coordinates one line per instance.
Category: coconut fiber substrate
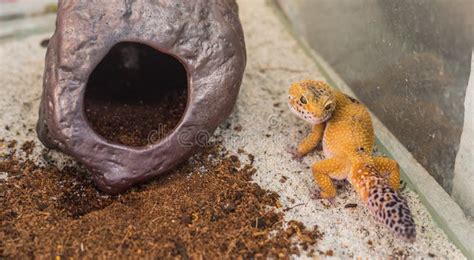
(206, 207)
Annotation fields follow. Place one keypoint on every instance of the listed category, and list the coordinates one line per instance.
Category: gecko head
(311, 100)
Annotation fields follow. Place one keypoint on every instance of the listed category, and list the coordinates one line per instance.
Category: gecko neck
(341, 99)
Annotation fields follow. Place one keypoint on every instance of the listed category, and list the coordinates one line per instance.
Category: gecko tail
(389, 208)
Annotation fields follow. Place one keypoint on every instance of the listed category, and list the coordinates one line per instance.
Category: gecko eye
(303, 100)
(328, 107)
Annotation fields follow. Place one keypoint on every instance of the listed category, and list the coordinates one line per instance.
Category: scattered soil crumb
(251, 158)
(350, 205)
(28, 147)
(238, 128)
(399, 254)
(218, 213)
(12, 144)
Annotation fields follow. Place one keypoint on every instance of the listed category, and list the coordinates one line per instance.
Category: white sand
(274, 61)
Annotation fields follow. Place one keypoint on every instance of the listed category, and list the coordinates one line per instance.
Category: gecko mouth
(325, 118)
(315, 120)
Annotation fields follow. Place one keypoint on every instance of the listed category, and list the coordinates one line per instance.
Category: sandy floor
(274, 61)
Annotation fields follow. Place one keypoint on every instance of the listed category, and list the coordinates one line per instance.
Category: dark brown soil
(135, 124)
(28, 147)
(206, 207)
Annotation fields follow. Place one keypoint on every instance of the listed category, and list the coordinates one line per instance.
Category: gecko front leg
(308, 143)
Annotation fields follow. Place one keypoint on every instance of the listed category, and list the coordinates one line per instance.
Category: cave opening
(136, 95)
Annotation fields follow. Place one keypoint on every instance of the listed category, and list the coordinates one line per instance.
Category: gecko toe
(295, 155)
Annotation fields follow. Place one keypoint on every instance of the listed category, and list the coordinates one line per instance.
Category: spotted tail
(385, 204)
(392, 210)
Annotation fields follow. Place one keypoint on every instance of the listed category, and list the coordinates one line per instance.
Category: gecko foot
(295, 155)
(316, 195)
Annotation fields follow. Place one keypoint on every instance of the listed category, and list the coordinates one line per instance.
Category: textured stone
(205, 36)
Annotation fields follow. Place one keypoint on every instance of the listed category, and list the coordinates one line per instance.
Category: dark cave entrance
(136, 95)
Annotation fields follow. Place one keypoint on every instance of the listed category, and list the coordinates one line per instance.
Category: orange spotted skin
(345, 128)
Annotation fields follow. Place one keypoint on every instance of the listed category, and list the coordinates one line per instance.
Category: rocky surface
(206, 38)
